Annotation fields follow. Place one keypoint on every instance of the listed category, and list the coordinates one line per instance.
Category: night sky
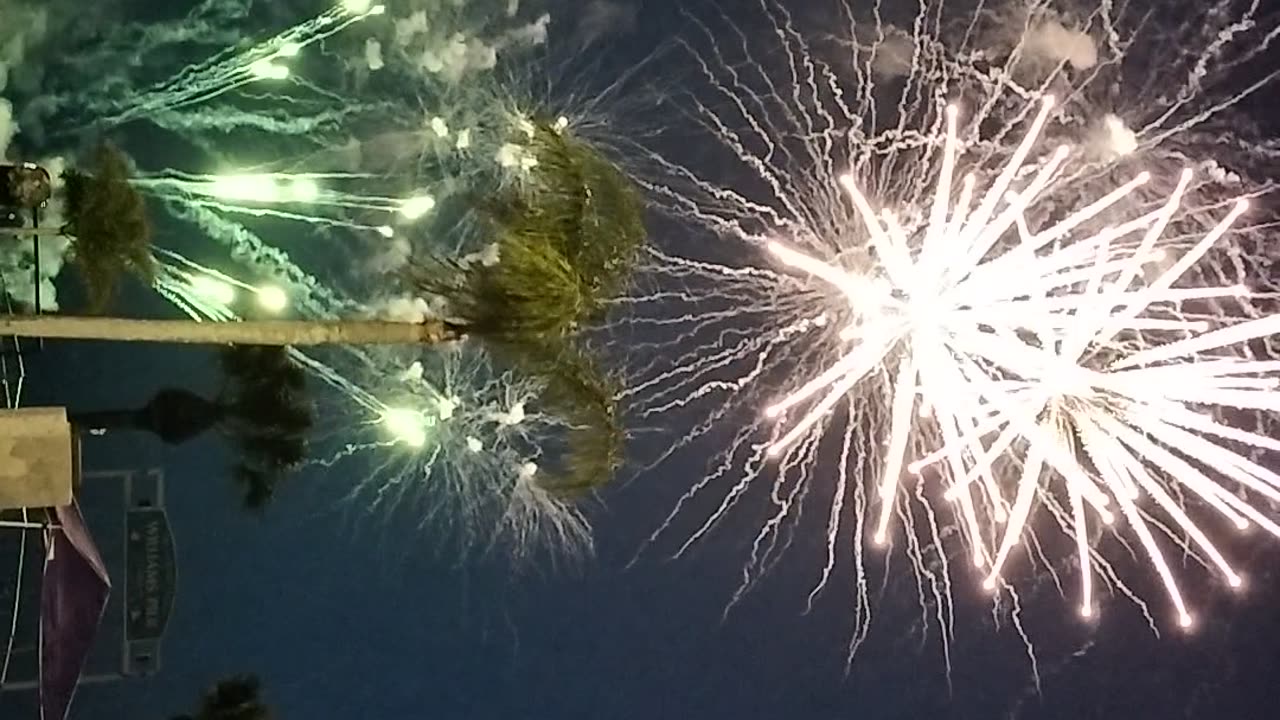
(345, 614)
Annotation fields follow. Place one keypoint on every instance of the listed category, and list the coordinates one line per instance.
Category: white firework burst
(973, 296)
(984, 343)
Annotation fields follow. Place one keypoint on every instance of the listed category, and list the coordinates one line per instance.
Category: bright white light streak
(262, 188)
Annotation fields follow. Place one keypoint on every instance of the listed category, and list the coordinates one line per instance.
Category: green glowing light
(303, 190)
(268, 70)
(213, 290)
(245, 187)
(416, 207)
(406, 426)
(272, 298)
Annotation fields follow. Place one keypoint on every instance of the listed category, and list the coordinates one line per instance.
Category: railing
(13, 348)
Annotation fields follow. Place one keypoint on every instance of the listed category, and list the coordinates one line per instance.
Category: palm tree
(567, 238)
(238, 697)
(261, 407)
(107, 219)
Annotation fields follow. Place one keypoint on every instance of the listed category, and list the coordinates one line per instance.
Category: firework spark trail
(918, 326)
(267, 194)
(319, 124)
(245, 246)
(233, 69)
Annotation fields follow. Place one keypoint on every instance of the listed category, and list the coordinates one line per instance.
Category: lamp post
(25, 185)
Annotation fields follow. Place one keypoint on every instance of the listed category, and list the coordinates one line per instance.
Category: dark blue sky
(344, 616)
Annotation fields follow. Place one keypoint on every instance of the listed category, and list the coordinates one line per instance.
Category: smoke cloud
(7, 127)
(1052, 42)
(455, 42)
(894, 54)
(605, 17)
(1111, 138)
(409, 309)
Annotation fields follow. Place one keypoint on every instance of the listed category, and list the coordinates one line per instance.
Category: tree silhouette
(262, 408)
(238, 697)
(268, 417)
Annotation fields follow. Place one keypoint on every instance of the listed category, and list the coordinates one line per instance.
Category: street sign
(151, 565)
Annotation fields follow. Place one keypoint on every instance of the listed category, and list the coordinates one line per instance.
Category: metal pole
(24, 232)
(35, 254)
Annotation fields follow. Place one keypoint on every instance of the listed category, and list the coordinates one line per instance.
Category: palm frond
(269, 417)
(257, 488)
(567, 238)
(578, 391)
(596, 206)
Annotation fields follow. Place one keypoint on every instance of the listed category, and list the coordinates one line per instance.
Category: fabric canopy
(73, 598)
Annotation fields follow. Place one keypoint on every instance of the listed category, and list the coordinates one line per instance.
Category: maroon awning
(73, 597)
